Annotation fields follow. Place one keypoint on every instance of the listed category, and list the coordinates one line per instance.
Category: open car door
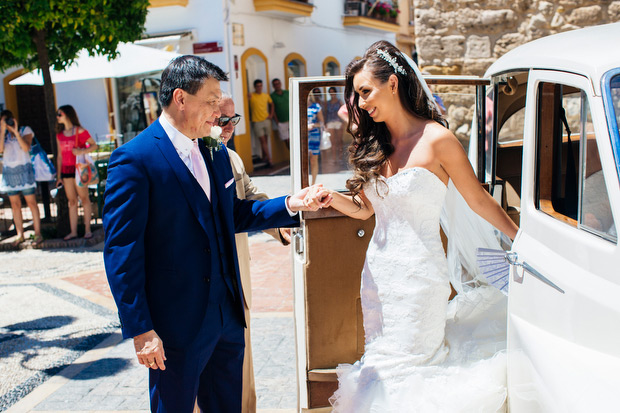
(329, 247)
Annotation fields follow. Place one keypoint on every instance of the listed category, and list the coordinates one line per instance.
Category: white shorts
(334, 124)
(262, 128)
(283, 131)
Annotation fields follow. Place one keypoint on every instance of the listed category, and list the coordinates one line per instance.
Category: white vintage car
(546, 141)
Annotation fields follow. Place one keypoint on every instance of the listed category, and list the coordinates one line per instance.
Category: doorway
(253, 66)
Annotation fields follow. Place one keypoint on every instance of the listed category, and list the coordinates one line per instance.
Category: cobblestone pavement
(61, 349)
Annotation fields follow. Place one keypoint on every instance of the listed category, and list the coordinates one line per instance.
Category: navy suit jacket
(158, 236)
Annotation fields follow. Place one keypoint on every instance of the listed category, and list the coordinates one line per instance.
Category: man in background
(262, 111)
(280, 102)
(245, 190)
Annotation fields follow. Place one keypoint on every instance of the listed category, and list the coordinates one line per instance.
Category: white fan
(495, 266)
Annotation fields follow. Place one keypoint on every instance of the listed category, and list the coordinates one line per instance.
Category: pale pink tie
(200, 169)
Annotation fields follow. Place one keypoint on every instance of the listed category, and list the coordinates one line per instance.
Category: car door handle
(513, 259)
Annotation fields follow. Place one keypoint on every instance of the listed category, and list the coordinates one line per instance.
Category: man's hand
(150, 350)
(285, 235)
(310, 199)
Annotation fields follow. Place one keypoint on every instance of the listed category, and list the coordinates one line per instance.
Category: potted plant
(394, 12)
(381, 10)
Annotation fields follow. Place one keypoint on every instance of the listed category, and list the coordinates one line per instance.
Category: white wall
(204, 17)
(314, 38)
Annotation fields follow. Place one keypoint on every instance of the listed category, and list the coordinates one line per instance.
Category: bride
(417, 358)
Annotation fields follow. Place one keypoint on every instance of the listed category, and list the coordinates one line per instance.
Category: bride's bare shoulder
(437, 134)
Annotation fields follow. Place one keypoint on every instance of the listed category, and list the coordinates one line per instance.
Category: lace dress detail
(422, 353)
(17, 170)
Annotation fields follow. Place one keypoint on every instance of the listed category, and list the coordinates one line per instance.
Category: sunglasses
(59, 114)
(223, 120)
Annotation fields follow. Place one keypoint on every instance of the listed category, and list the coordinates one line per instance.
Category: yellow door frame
(289, 58)
(243, 143)
(10, 92)
(331, 59)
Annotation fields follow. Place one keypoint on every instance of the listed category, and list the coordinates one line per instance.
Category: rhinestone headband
(392, 61)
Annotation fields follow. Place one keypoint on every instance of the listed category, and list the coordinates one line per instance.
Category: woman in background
(18, 173)
(334, 127)
(316, 124)
(72, 140)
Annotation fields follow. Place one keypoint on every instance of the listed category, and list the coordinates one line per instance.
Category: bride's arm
(454, 161)
(345, 204)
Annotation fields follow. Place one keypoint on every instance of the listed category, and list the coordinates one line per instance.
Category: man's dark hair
(275, 80)
(187, 73)
(257, 81)
(7, 114)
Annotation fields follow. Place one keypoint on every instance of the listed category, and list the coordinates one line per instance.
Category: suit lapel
(194, 194)
(213, 176)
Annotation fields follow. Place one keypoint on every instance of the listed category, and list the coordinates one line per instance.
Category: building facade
(250, 39)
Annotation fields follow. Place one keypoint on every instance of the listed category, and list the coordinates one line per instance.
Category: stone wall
(464, 37)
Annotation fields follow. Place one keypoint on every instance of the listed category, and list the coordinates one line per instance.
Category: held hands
(150, 350)
(311, 198)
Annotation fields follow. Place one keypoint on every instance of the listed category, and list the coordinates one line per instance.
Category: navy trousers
(209, 370)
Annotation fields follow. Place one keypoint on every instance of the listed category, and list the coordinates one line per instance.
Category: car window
(511, 131)
(570, 181)
(615, 97)
(595, 208)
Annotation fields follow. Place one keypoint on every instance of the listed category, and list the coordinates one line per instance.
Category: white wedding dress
(422, 353)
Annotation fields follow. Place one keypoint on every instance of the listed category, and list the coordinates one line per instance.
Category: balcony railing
(380, 16)
(284, 8)
(381, 10)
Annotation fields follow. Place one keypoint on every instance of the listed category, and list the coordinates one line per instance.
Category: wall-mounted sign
(207, 47)
(237, 34)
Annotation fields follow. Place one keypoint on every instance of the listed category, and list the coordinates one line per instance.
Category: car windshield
(614, 86)
(613, 110)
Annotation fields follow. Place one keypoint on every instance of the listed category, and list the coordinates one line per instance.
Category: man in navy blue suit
(170, 216)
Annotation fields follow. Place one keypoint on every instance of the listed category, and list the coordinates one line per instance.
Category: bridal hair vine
(385, 55)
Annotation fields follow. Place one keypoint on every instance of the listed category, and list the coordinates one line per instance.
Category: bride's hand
(318, 197)
(310, 199)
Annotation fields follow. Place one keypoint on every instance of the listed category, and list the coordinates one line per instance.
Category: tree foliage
(43, 33)
(67, 27)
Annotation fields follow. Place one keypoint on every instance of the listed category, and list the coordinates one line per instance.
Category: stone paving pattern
(114, 381)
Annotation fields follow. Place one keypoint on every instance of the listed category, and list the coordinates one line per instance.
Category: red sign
(207, 47)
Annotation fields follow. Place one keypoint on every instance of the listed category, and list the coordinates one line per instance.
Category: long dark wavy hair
(372, 142)
(71, 114)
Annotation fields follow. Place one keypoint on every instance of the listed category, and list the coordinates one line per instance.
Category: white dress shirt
(183, 146)
(181, 143)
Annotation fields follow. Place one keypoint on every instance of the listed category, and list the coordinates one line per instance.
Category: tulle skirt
(471, 377)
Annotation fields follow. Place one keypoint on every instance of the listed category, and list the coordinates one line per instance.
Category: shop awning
(132, 60)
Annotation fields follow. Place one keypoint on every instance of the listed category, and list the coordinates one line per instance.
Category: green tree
(43, 33)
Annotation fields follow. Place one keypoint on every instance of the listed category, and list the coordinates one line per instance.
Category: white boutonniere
(213, 141)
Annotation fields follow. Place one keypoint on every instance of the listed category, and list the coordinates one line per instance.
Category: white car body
(564, 347)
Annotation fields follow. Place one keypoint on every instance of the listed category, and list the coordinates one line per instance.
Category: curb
(98, 237)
